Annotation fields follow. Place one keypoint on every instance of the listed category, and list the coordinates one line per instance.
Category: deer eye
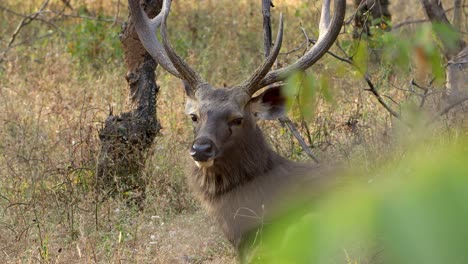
(236, 122)
(194, 117)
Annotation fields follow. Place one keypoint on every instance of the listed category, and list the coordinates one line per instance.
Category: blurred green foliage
(303, 92)
(413, 210)
(414, 56)
(95, 42)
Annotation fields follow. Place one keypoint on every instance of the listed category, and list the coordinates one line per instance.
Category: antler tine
(188, 74)
(324, 23)
(146, 30)
(329, 31)
(251, 84)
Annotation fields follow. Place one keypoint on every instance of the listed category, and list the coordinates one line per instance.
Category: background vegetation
(60, 73)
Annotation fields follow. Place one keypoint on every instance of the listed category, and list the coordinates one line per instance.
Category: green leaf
(307, 98)
(326, 91)
(361, 57)
(447, 34)
(291, 90)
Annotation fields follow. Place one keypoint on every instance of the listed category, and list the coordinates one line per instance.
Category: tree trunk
(126, 138)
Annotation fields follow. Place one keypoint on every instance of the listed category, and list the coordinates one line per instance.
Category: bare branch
(409, 22)
(25, 21)
(369, 82)
(458, 101)
(267, 41)
(290, 125)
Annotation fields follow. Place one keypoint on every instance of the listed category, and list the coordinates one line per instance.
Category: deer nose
(202, 150)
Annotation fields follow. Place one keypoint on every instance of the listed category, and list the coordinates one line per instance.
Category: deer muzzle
(203, 151)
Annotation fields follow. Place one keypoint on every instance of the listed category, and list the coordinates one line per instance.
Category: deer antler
(329, 31)
(251, 84)
(163, 55)
(174, 64)
(146, 28)
(188, 74)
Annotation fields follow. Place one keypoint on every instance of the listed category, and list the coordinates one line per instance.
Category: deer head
(224, 119)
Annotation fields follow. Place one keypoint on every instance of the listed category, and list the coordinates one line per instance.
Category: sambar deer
(239, 179)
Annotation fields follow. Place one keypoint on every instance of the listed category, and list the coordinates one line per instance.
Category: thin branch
(409, 22)
(369, 82)
(100, 19)
(415, 84)
(377, 95)
(419, 21)
(290, 125)
(267, 42)
(391, 99)
(116, 17)
(25, 21)
(456, 102)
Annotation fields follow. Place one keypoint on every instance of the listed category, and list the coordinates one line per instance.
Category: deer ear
(269, 105)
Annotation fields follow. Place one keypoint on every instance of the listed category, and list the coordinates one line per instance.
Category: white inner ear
(259, 109)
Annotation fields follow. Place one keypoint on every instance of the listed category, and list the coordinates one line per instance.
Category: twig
(25, 21)
(419, 21)
(409, 22)
(290, 125)
(116, 17)
(100, 19)
(369, 82)
(377, 95)
(299, 47)
(449, 107)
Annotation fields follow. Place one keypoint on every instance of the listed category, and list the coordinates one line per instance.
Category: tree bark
(126, 138)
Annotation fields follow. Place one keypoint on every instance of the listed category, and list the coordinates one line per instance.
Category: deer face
(222, 117)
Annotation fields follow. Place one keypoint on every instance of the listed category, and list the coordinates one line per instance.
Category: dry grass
(52, 104)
